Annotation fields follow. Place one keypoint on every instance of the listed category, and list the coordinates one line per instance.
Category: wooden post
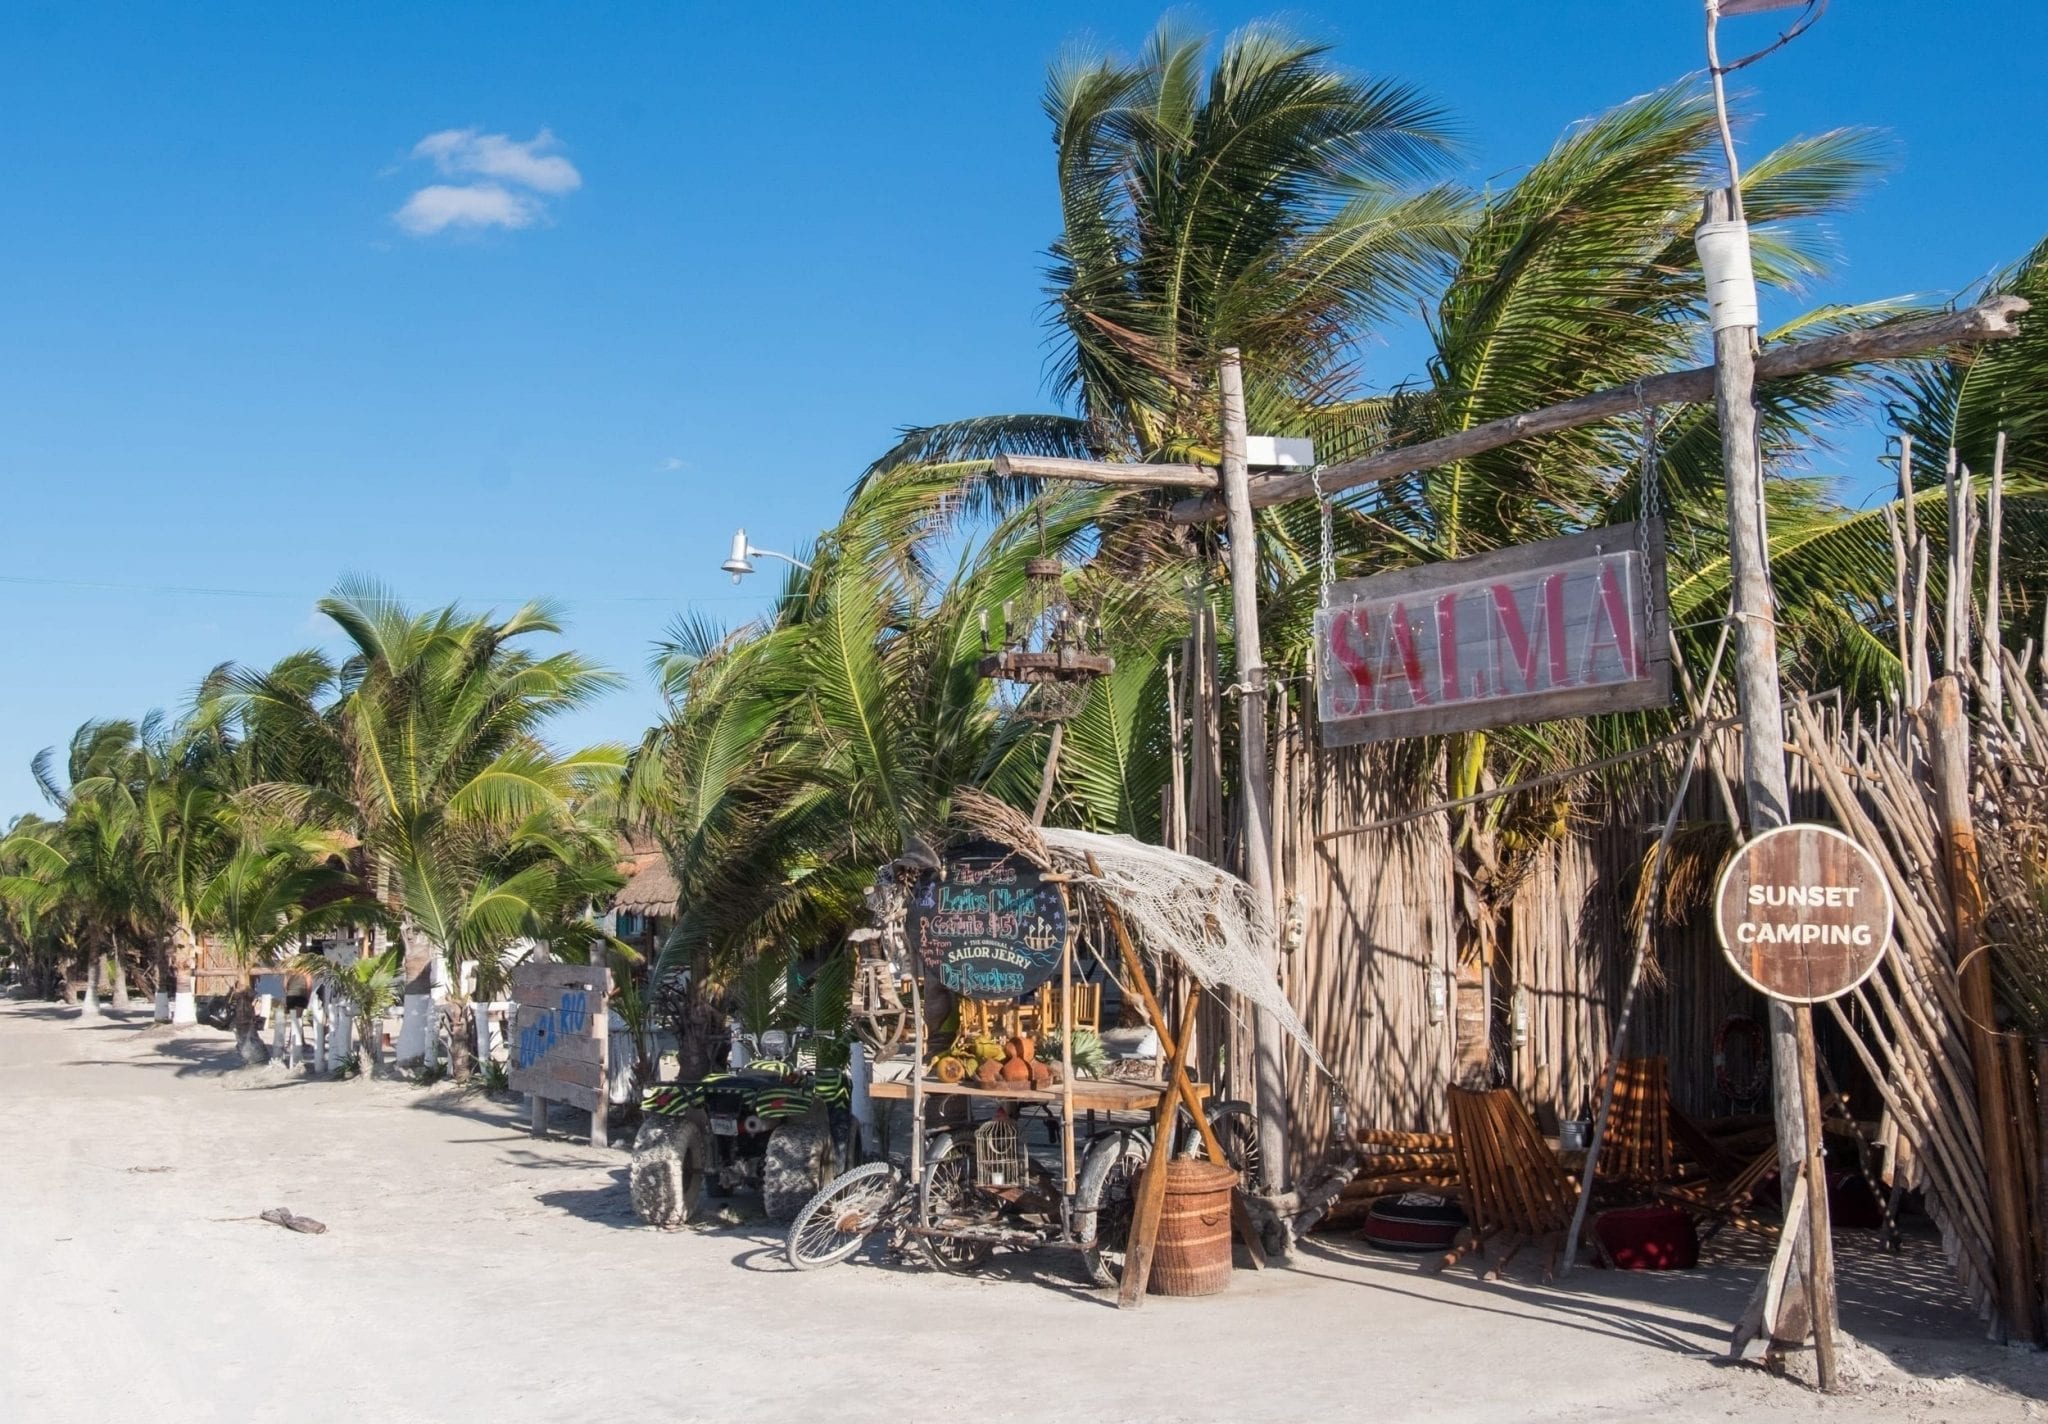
(540, 1114)
(1254, 782)
(1151, 1194)
(1763, 718)
(600, 1123)
(1948, 751)
(1821, 1263)
(2041, 1148)
(1067, 1058)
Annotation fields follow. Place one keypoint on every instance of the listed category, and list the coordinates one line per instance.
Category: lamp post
(740, 562)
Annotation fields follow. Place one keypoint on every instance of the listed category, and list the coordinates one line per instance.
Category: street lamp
(740, 562)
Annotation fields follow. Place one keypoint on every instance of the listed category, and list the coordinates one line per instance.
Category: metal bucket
(1193, 1254)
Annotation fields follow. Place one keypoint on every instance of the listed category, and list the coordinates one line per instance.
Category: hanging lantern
(1051, 651)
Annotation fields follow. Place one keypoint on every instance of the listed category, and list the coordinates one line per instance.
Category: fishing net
(1175, 906)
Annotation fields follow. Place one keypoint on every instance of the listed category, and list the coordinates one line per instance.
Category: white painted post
(319, 1012)
(340, 1040)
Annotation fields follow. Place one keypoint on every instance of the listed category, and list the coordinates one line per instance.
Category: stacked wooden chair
(1515, 1189)
(1635, 1151)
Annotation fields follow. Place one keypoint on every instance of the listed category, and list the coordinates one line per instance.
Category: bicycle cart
(1045, 1159)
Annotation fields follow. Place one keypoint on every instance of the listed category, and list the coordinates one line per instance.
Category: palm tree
(33, 913)
(1272, 203)
(425, 743)
(279, 886)
(365, 989)
(805, 750)
(89, 855)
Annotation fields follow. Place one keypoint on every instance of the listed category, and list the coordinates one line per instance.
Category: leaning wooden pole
(1948, 750)
(1652, 898)
(1763, 713)
(1254, 778)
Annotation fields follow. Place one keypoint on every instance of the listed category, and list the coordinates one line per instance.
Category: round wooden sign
(1804, 913)
(988, 922)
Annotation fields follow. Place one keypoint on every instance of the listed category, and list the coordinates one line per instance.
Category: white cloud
(511, 182)
(471, 153)
(445, 205)
(673, 463)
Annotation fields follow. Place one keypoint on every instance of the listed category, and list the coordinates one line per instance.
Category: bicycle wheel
(832, 1225)
(947, 1199)
(1103, 1200)
(1237, 1133)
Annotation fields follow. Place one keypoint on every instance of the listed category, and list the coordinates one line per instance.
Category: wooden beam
(1987, 321)
(1107, 472)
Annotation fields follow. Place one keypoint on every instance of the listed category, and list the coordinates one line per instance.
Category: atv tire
(800, 1160)
(666, 1178)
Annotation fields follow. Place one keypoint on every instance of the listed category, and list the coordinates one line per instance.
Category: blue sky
(235, 363)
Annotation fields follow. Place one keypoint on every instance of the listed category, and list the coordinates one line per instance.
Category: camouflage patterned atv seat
(768, 1089)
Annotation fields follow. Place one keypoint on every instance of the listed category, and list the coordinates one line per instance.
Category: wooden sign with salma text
(1804, 913)
(989, 923)
(1567, 627)
(560, 1034)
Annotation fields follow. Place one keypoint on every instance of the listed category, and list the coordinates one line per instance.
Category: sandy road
(471, 1273)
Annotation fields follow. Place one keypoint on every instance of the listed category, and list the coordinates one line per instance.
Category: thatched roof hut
(650, 890)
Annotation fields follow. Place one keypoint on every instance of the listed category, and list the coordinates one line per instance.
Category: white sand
(470, 1273)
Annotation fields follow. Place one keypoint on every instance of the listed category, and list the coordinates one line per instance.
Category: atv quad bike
(779, 1126)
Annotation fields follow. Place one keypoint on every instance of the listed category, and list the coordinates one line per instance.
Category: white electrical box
(1279, 452)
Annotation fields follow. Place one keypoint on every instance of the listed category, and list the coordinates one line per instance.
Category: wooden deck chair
(1692, 1137)
(1635, 1151)
(1718, 1204)
(1726, 1195)
(1513, 1185)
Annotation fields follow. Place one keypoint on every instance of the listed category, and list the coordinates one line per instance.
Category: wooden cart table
(1090, 1094)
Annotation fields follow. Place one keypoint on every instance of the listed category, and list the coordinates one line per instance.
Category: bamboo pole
(1993, 672)
(1948, 747)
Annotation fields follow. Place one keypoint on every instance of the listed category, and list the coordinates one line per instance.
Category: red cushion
(1646, 1238)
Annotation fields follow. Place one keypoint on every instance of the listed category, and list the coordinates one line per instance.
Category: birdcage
(999, 1159)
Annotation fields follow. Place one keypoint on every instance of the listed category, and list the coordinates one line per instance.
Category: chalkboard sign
(988, 923)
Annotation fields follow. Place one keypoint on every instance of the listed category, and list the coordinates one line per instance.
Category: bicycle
(980, 1191)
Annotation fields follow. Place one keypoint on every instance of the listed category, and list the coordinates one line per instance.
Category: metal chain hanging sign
(1567, 627)
(1804, 913)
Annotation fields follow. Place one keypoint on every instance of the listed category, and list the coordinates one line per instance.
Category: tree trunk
(166, 980)
(89, 1006)
(185, 982)
(416, 1030)
(462, 1020)
(366, 1048)
(249, 1044)
(120, 982)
